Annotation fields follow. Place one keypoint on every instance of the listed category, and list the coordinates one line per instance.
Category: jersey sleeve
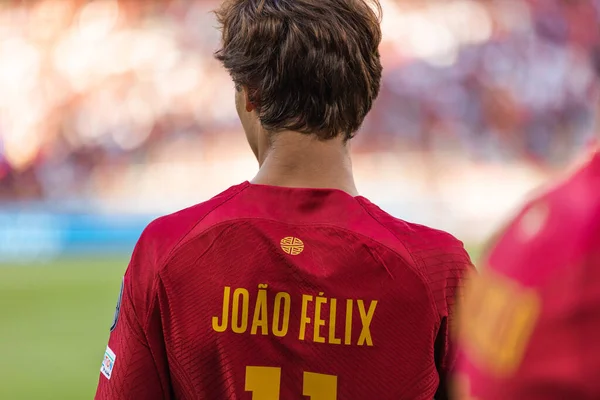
(135, 364)
(448, 273)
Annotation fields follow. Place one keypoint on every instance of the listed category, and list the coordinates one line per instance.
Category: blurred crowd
(91, 92)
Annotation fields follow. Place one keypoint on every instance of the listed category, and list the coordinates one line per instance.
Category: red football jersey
(531, 322)
(270, 293)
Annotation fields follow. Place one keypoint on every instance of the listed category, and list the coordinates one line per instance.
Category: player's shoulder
(439, 258)
(163, 235)
(577, 190)
(568, 208)
(558, 226)
(429, 247)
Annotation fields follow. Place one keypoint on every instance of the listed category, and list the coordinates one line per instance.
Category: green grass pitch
(54, 326)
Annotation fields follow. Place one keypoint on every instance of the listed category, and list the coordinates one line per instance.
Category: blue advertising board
(40, 235)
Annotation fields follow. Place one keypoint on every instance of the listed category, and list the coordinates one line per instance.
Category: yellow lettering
(260, 312)
(281, 330)
(237, 325)
(320, 386)
(304, 319)
(222, 327)
(319, 322)
(263, 382)
(366, 318)
(332, 312)
(348, 333)
(236, 307)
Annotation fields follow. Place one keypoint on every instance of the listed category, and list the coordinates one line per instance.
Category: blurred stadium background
(114, 112)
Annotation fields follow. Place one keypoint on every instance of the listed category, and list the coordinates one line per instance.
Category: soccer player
(292, 286)
(530, 325)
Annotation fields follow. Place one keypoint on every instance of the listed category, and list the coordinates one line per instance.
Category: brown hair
(309, 65)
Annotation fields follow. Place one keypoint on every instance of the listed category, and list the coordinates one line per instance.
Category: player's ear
(249, 105)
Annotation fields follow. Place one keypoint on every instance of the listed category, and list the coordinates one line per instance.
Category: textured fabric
(532, 319)
(271, 293)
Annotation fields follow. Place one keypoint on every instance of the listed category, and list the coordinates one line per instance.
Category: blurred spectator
(91, 92)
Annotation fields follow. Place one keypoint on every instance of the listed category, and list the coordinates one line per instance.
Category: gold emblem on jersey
(292, 245)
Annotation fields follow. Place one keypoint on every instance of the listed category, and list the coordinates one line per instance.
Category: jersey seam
(176, 246)
(173, 360)
(419, 273)
(367, 238)
(182, 370)
(144, 342)
(158, 278)
(322, 224)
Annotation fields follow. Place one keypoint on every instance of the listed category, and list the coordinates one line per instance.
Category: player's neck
(297, 160)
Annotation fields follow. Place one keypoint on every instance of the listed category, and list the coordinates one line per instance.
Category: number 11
(265, 382)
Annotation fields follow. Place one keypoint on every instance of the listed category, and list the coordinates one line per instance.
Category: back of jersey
(283, 293)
